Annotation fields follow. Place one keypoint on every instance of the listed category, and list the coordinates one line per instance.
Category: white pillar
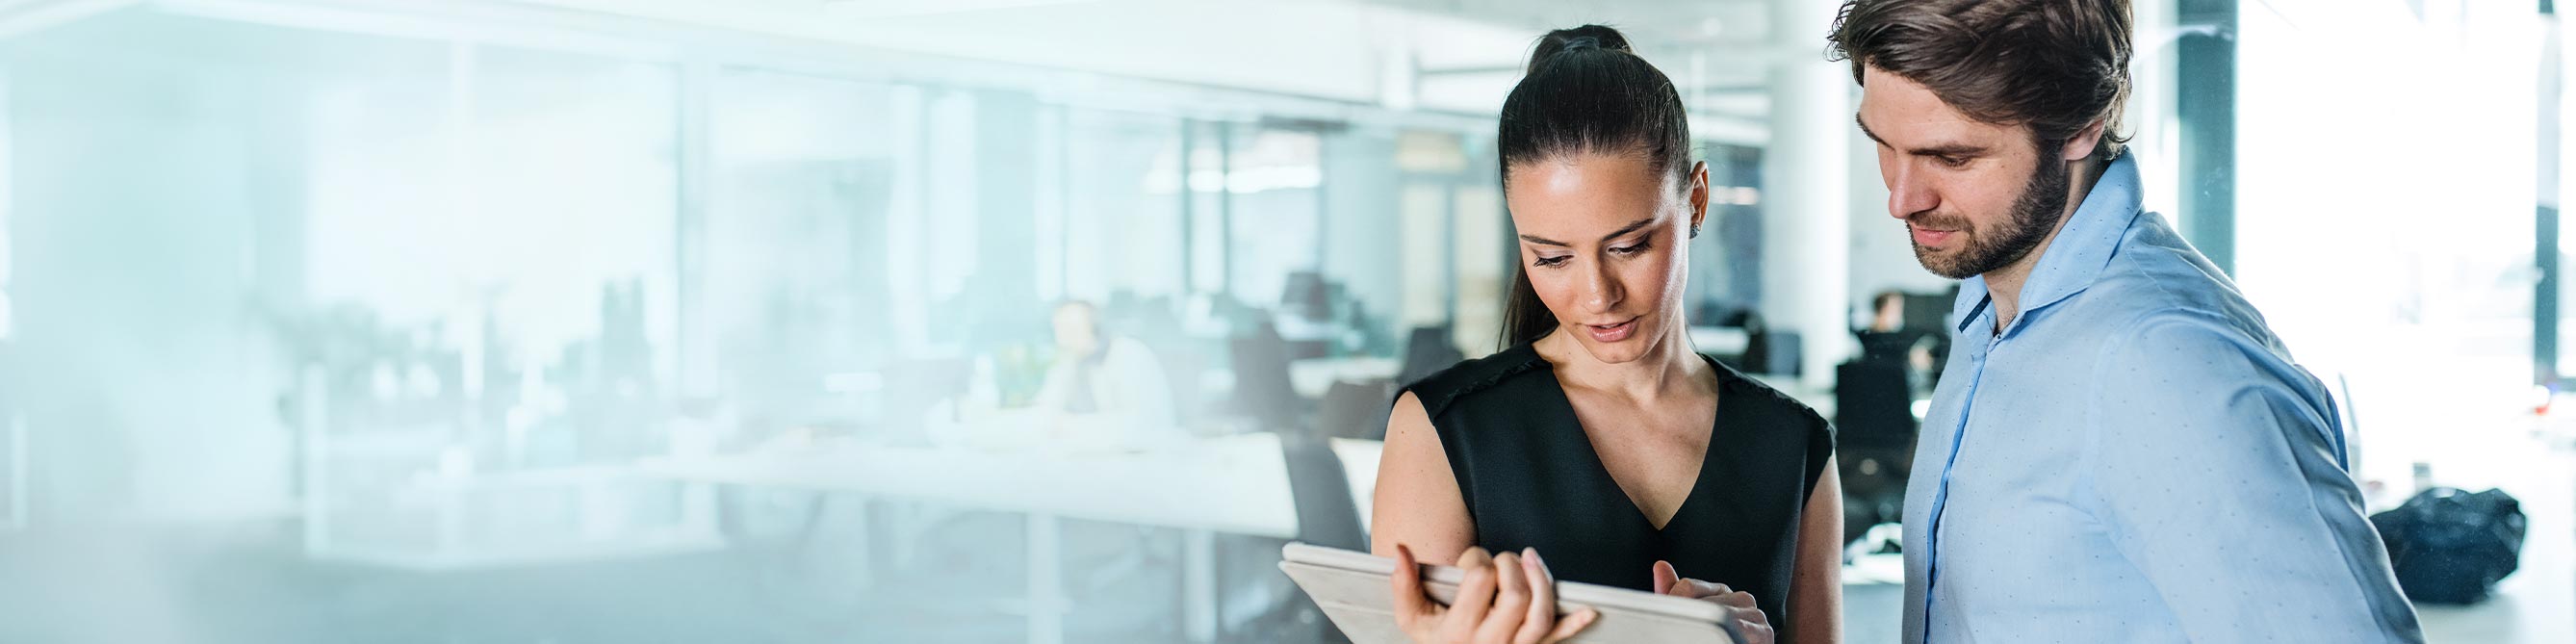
(1806, 238)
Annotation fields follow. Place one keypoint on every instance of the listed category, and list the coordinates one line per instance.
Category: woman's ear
(1698, 196)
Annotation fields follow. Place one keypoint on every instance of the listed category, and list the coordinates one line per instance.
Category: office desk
(1312, 377)
(1359, 458)
(1719, 340)
(1233, 484)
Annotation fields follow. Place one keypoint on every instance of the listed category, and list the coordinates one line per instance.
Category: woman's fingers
(1749, 618)
(1574, 623)
(1414, 611)
(1542, 607)
(1506, 598)
(1739, 605)
(1475, 596)
(1736, 599)
(1755, 627)
(1723, 595)
(1511, 600)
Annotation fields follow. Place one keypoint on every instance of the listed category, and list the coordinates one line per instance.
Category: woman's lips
(1611, 332)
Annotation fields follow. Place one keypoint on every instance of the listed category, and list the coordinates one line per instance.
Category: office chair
(1307, 295)
(1261, 387)
(1355, 410)
(1326, 516)
(1427, 351)
(1875, 431)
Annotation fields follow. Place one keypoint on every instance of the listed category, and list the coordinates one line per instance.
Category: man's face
(1076, 332)
(1976, 197)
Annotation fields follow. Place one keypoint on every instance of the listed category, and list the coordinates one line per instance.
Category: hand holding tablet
(1360, 593)
(1749, 620)
(1506, 599)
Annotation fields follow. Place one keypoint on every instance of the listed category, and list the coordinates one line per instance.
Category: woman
(1599, 438)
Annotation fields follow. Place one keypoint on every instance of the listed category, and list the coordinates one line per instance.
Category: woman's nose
(1601, 289)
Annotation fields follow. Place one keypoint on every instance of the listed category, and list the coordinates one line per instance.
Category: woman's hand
(1508, 599)
(1739, 605)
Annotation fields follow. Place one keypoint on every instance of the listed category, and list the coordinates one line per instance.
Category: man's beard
(2041, 204)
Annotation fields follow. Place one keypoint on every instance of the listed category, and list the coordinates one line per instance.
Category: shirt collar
(2079, 252)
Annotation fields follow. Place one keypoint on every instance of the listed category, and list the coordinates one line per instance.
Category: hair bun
(1575, 39)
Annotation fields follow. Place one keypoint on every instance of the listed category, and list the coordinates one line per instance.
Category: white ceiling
(1447, 56)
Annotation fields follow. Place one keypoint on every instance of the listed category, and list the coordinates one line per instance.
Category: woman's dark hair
(2058, 66)
(1586, 92)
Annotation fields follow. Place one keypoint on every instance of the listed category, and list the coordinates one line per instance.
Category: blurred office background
(733, 321)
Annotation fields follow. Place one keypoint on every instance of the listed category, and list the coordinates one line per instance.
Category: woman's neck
(1667, 370)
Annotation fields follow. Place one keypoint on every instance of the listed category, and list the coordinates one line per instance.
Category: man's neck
(2004, 284)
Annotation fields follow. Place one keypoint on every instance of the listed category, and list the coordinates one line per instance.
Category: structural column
(1806, 191)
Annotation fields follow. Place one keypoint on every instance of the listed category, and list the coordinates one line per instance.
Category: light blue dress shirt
(2135, 458)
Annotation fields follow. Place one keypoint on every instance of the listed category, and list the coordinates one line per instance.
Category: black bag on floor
(2451, 546)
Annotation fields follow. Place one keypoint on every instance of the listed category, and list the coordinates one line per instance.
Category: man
(2121, 450)
(1886, 340)
(1103, 387)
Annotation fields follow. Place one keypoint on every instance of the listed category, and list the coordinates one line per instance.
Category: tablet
(1354, 590)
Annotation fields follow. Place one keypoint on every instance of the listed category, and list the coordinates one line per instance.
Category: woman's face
(1604, 240)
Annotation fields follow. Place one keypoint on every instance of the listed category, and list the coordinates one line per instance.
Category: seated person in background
(1887, 339)
(1102, 387)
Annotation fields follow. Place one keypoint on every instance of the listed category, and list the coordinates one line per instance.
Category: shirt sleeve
(2216, 468)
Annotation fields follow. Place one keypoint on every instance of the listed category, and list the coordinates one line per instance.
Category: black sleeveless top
(1531, 479)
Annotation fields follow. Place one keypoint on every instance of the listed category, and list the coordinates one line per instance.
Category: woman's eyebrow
(1633, 226)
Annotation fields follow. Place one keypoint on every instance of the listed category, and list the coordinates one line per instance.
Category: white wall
(1882, 257)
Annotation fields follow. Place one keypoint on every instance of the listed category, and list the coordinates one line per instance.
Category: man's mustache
(1937, 221)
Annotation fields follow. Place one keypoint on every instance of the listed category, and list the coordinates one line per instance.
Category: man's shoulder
(2156, 281)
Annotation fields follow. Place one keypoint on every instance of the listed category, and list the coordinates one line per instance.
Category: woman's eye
(1639, 247)
(1552, 262)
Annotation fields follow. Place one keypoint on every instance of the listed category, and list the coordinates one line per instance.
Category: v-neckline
(1699, 480)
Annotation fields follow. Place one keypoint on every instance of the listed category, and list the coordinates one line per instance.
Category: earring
(1694, 231)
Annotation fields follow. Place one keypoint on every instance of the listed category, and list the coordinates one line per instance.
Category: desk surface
(1359, 464)
(1723, 340)
(1235, 484)
(1311, 377)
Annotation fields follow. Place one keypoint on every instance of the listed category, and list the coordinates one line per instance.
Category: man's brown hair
(2057, 66)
